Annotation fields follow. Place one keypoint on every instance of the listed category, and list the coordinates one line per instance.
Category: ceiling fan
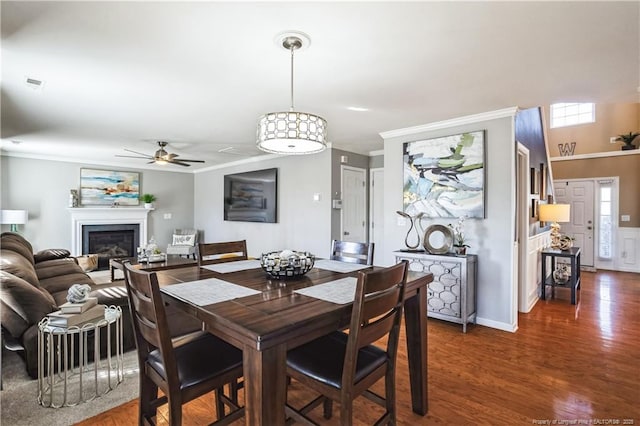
(161, 156)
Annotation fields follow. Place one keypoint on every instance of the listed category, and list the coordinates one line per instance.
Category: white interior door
(353, 217)
(578, 194)
(376, 214)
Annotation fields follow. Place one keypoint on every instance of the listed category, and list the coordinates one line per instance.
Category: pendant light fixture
(292, 132)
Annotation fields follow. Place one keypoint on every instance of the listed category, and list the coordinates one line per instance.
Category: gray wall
(303, 224)
(376, 162)
(42, 187)
(492, 238)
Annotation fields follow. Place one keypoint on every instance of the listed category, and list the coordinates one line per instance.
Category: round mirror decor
(438, 239)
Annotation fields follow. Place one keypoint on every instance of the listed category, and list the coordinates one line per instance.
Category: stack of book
(71, 314)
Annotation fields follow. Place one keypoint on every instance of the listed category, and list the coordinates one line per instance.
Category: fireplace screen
(109, 241)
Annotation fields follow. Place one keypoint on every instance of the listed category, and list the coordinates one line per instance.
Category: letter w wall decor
(566, 149)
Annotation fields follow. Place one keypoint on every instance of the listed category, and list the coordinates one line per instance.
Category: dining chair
(343, 366)
(347, 251)
(184, 368)
(210, 253)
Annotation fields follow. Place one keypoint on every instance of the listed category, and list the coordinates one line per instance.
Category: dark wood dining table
(267, 324)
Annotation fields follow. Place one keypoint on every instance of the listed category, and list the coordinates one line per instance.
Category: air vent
(231, 151)
(34, 83)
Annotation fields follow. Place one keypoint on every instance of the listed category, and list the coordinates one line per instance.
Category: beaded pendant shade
(292, 132)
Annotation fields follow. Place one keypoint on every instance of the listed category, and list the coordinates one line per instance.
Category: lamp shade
(291, 133)
(555, 212)
(14, 217)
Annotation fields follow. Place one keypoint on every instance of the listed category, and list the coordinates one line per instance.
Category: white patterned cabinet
(452, 293)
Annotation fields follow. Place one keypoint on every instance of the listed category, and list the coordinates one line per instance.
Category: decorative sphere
(285, 254)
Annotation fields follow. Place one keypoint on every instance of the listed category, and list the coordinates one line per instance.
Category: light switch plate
(167, 216)
(625, 218)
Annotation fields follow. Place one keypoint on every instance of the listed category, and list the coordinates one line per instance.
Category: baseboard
(512, 328)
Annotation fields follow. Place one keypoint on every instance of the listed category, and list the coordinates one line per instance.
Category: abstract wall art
(444, 177)
(109, 187)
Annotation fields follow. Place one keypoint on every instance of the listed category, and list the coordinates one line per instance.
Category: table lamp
(555, 213)
(14, 218)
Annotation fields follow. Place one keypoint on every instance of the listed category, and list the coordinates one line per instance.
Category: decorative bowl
(287, 263)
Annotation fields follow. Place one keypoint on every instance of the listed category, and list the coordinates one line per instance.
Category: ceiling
(122, 75)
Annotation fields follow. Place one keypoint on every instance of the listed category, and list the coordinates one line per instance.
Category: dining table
(265, 316)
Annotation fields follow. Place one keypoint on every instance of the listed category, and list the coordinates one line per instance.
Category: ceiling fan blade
(131, 156)
(191, 161)
(179, 163)
(139, 153)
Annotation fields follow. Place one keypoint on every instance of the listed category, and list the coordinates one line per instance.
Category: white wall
(303, 224)
(492, 238)
(42, 187)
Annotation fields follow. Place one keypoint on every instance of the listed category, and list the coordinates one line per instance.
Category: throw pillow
(184, 240)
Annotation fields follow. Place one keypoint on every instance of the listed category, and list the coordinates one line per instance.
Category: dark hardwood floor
(572, 364)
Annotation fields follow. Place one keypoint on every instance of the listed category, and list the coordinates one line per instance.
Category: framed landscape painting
(444, 177)
(109, 187)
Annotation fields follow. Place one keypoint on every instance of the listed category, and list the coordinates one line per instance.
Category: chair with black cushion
(184, 243)
(184, 368)
(229, 251)
(347, 251)
(343, 366)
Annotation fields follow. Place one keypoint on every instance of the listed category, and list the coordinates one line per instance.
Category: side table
(451, 296)
(573, 254)
(64, 380)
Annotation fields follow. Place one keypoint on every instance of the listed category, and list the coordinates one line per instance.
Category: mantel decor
(444, 177)
(109, 188)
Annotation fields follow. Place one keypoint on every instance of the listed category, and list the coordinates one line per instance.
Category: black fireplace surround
(107, 241)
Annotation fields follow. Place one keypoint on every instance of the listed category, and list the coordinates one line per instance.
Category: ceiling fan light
(161, 161)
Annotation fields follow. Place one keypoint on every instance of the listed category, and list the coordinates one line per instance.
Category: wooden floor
(572, 364)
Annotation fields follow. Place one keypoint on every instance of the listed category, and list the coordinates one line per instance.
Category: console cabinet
(451, 295)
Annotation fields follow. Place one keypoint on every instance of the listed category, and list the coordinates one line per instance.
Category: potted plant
(628, 140)
(459, 244)
(148, 200)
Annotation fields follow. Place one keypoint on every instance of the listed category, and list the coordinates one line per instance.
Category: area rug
(19, 398)
(104, 277)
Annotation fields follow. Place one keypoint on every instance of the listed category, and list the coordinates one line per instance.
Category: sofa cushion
(49, 254)
(17, 243)
(16, 264)
(22, 304)
(58, 285)
(55, 267)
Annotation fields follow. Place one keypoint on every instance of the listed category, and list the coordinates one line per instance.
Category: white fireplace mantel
(105, 216)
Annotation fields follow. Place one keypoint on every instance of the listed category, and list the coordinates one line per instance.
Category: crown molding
(468, 119)
(87, 161)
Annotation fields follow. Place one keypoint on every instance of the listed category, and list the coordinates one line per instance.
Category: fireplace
(107, 241)
(121, 216)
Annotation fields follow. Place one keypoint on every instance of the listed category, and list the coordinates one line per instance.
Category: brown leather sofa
(34, 285)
